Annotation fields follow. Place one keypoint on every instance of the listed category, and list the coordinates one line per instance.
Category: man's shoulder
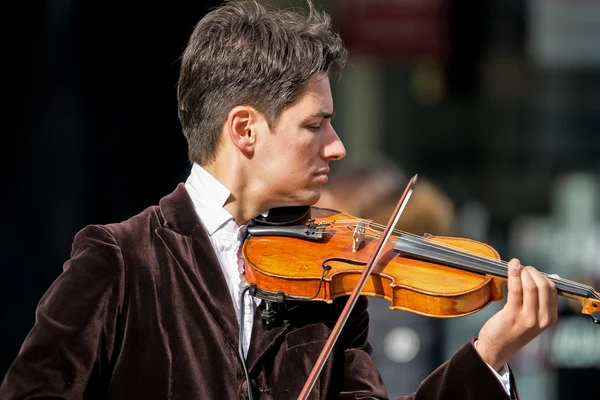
(141, 224)
(144, 223)
(126, 237)
(135, 238)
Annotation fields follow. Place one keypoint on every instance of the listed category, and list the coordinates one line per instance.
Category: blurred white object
(574, 343)
(576, 199)
(402, 344)
(474, 221)
(566, 242)
(564, 33)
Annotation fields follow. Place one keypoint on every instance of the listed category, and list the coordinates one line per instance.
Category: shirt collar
(209, 196)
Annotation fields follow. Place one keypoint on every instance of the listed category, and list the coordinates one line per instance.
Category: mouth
(321, 175)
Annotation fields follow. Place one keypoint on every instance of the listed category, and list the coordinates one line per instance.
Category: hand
(531, 307)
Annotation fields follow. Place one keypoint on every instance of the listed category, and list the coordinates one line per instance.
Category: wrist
(489, 356)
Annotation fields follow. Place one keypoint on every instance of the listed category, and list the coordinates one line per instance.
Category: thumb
(515, 287)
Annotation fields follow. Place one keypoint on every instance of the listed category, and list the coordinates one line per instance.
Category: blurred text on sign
(395, 29)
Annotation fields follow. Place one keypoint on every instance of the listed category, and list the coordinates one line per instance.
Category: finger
(546, 298)
(515, 287)
(553, 278)
(530, 298)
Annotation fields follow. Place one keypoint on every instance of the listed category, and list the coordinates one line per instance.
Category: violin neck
(427, 250)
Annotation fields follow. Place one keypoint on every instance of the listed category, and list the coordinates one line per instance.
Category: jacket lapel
(189, 244)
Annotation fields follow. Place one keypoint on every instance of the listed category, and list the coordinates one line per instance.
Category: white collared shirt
(209, 196)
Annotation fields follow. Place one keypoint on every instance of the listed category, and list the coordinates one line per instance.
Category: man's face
(294, 159)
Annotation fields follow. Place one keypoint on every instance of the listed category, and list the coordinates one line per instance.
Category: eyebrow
(322, 114)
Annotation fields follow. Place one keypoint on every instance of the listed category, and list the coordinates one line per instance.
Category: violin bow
(337, 329)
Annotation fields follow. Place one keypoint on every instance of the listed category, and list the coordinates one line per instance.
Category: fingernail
(517, 265)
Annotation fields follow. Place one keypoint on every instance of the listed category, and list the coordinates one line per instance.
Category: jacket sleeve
(465, 376)
(72, 342)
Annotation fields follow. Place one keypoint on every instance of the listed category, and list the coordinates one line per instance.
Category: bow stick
(335, 333)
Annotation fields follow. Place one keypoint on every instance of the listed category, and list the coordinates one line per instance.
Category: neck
(243, 204)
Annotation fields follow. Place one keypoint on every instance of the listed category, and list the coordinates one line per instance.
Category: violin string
(502, 265)
(498, 267)
(458, 251)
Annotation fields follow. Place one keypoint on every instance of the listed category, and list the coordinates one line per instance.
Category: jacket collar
(178, 212)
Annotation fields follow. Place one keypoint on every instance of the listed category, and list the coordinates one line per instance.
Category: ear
(242, 124)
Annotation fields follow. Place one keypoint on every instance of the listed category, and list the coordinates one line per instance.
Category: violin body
(329, 268)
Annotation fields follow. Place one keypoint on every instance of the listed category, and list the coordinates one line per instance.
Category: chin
(306, 198)
(313, 197)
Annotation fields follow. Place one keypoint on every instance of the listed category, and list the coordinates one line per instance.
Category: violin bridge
(359, 235)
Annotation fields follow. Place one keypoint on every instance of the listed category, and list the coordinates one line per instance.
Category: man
(148, 308)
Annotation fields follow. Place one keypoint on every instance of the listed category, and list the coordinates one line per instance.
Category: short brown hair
(242, 54)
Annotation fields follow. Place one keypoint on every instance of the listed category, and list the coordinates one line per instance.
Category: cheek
(308, 153)
(290, 171)
(295, 158)
(289, 163)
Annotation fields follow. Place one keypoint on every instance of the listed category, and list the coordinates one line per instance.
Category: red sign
(394, 29)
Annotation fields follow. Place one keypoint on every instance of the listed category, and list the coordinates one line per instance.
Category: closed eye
(322, 117)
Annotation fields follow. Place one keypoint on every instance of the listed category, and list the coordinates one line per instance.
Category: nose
(334, 148)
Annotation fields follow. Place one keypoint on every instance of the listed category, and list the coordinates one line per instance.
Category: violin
(318, 254)
(321, 256)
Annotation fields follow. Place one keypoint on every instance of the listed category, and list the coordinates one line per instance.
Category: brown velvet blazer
(142, 311)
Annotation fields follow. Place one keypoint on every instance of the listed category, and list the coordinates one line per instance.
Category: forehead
(316, 98)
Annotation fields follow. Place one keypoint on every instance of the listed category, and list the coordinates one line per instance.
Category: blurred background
(493, 103)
